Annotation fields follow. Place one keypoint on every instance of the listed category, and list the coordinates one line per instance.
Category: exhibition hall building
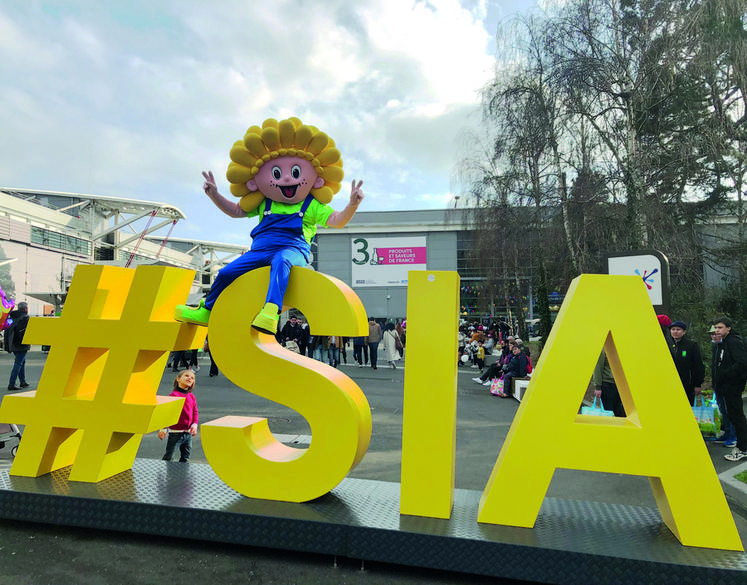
(44, 235)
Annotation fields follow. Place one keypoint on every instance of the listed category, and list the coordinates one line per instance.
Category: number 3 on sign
(361, 253)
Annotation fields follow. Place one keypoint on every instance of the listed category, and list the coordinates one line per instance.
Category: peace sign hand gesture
(209, 186)
(356, 193)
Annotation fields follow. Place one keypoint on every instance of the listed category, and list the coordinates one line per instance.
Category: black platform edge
(572, 541)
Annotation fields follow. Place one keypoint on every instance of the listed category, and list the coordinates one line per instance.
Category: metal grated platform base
(572, 542)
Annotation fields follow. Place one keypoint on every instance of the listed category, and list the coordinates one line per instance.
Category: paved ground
(36, 554)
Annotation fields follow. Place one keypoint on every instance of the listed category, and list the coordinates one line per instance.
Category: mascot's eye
(277, 172)
(296, 172)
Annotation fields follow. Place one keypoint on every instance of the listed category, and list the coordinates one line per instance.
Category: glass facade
(125, 255)
(466, 266)
(45, 237)
(470, 275)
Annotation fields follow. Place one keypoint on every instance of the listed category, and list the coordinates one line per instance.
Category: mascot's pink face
(287, 179)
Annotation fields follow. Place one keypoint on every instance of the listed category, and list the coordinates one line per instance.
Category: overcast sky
(133, 99)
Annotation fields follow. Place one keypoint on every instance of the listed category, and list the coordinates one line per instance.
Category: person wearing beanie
(664, 323)
(524, 348)
(687, 360)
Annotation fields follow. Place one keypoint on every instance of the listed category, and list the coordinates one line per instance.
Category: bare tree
(622, 124)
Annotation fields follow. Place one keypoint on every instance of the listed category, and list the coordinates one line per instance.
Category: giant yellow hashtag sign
(97, 394)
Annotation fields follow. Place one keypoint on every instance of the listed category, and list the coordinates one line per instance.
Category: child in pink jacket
(181, 433)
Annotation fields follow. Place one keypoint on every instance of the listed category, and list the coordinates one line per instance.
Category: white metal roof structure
(45, 234)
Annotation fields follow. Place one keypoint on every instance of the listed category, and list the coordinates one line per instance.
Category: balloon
(7, 307)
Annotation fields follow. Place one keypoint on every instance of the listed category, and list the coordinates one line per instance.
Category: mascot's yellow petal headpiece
(285, 138)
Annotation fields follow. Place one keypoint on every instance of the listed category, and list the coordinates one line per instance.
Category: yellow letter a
(659, 438)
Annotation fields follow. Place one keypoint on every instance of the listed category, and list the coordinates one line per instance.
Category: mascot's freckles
(286, 173)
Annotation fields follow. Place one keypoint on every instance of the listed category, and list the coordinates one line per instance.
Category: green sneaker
(197, 316)
(267, 319)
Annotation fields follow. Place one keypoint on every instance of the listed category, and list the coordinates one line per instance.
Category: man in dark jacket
(14, 344)
(727, 436)
(291, 332)
(729, 372)
(687, 360)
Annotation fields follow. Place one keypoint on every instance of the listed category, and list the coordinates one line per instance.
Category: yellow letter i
(429, 411)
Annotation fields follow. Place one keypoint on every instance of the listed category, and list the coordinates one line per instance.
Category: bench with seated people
(511, 365)
(520, 386)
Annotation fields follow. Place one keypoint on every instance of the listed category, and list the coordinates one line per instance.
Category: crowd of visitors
(297, 337)
(476, 342)
(499, 356)
(474, 336)
(512, 362)
(728, 377)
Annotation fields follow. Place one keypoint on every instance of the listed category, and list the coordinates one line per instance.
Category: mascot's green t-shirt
(317, 213)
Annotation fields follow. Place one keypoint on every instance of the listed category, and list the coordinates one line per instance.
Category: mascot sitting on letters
(286, 173)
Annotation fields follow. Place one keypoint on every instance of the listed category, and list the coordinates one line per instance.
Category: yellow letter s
(242, 450)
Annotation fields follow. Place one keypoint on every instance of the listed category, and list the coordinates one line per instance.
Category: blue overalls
(278, 242)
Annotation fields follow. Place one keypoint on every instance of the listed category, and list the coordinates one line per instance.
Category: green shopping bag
(705, 415)
(596, 410)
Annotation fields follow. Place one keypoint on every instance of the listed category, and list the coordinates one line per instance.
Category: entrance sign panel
(387, 261)
(651, 266)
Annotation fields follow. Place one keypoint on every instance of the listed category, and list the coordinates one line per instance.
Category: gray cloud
(136, 99)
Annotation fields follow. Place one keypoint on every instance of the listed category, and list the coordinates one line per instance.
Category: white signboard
(647, 266)
(386, 261)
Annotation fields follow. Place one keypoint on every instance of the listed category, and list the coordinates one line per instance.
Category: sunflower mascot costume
(286, 173)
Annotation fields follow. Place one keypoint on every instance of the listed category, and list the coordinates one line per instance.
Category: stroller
(10, 437)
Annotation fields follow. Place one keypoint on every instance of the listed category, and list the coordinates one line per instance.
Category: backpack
(14, 334)
(19, 333)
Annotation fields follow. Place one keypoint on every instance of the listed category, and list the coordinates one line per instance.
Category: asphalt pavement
(38, 554)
